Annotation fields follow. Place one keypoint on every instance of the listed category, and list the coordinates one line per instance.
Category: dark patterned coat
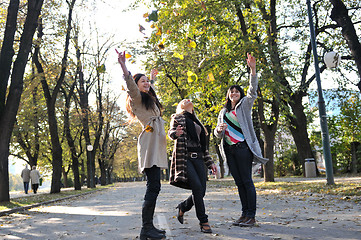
(178, 168)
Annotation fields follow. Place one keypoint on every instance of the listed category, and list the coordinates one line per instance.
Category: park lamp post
(89, 149)
(321, 104)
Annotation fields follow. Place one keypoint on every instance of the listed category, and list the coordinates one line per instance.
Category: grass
(40, 198)
(344, 188)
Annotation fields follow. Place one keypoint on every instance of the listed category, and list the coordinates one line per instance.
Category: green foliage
(15, 182)
(345, 128)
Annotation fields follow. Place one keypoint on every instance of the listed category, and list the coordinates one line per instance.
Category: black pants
(239, 159)
(197, 180)
(35, 187)
(153, 183)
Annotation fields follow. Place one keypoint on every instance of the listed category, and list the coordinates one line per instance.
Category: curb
(19, 209)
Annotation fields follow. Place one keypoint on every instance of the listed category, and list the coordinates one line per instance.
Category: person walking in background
(142, 103)
(35, 179)
(25, 175)
(190, 155)
(239, 145)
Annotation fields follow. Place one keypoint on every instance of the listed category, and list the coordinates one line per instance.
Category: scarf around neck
(191, 130)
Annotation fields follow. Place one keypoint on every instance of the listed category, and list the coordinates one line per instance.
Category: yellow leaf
(148, 129)
(127, 55)
(177, 55)
(210, 77)
(192, 44)
(159, 32)
(145, 15)
(192, 76)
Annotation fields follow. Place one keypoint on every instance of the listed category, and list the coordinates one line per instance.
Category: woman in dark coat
(189, 158)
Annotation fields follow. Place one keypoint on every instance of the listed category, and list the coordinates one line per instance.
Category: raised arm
(121, 61)
(251, 62)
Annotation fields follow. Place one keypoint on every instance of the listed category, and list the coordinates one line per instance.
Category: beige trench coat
(152, 143)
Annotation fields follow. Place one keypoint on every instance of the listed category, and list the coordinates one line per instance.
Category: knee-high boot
(148, 230)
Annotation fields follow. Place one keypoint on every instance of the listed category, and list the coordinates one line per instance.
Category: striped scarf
(233, 133)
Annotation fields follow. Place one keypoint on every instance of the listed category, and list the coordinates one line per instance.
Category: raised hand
(251, 62)
(121, 60)
(153, 74)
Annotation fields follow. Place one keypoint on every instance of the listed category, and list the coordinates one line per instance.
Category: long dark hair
(148, 99)
(228, 104)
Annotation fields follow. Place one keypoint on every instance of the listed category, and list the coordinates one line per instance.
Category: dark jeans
(239, 159)
(35, 187)
(153, 183)
(197, 180)
(26, 187)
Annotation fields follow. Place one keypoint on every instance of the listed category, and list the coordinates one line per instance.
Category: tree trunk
(70, 139)
(339, 14)
(221, 160)
(354, 147)
(298, 129)
(84, 105)
(9, 109)
(269, 153)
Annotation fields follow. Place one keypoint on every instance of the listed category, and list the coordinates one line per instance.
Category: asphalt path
(115, 213)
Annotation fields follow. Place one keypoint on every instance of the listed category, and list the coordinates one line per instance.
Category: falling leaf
(192, 44)
(192, 76)
(141, 29)
(210, 77)
(204, 6)
(101, 68)
(161, 46)
(148, 129)
(127, 55)
(177, 55)
(159, 32)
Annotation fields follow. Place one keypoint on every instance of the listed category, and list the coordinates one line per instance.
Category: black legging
(239, 159)
(153, 183)
(197, 180)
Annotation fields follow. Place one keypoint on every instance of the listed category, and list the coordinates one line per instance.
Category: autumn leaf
(177, 55)
(148, 129)
(210, 77)
(101, 69)
(127, 55)
(192, 76)
(192, 44)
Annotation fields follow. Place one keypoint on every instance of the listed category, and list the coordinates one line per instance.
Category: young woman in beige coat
(142, 104)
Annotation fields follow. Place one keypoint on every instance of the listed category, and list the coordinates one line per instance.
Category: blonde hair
(180, 110)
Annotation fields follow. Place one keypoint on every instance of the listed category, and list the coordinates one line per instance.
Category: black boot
(148, 230)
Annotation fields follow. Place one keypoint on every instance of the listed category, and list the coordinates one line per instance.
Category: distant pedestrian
(25, 175)
(142, 103)
(190, 155)
(35, 179)
(239, 145)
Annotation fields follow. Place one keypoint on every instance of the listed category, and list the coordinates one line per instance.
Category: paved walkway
(115, 214)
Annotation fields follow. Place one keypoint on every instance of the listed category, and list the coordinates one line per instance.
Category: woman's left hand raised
(251, 62)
